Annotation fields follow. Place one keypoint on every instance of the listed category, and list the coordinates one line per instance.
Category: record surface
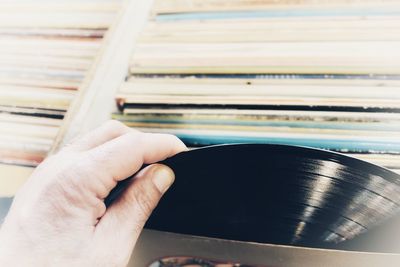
(275, 194)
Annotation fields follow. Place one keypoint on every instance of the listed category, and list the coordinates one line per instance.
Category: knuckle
(68, 185)
(71, 178)
(75, 168)
(96, 157)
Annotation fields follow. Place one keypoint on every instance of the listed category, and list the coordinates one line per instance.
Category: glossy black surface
(276, 194)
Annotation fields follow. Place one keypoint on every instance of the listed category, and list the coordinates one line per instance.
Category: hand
(58, 218)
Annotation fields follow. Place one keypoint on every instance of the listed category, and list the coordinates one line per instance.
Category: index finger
(124, 156)
(107, 131)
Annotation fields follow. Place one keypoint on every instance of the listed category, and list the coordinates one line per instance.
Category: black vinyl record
(276, 194)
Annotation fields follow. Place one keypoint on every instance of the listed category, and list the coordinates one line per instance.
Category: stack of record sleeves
(46, 48)
(323, 74)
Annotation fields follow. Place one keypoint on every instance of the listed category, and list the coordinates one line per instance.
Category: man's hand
(59, 218)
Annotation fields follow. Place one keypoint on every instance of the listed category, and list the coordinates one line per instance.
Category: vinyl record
(275, 194)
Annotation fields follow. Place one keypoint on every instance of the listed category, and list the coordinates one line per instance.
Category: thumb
(127, 215)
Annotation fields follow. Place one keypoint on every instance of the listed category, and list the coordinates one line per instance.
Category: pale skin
(58, 217)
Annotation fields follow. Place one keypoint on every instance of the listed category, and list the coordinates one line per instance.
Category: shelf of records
(323, 74)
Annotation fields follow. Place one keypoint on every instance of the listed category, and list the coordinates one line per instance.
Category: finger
(124, 155)
(106, 132)
(125, 218)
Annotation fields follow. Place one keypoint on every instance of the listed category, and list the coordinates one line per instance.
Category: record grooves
(275, 194)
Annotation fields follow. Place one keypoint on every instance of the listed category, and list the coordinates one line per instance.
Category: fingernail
(163, 178)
